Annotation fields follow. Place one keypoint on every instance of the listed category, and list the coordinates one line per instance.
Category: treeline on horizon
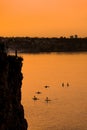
(41, 45)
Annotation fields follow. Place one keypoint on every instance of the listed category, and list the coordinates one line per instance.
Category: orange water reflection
(68, 103)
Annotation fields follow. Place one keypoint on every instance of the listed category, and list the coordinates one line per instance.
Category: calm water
(67, 109)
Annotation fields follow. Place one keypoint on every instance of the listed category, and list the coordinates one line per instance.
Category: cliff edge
(11, 109)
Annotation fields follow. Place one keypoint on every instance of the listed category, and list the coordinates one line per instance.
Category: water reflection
(65, 74)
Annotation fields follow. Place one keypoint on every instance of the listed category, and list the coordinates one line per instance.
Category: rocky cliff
(11, 109)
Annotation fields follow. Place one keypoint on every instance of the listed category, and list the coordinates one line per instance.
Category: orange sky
(43, 18)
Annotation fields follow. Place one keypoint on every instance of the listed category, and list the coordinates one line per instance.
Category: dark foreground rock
(11, 109)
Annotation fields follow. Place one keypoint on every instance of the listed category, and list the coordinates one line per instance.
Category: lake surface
(67, 109)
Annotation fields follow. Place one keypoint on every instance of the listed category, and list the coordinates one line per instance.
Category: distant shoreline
(45, 45)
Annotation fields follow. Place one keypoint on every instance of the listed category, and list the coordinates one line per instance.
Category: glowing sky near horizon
(43, 18)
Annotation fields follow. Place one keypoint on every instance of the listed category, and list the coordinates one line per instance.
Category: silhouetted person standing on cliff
(16, 53)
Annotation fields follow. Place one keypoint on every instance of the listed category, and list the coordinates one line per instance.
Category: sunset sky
(43, 18)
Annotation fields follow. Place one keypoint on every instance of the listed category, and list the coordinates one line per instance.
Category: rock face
(11, 109)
